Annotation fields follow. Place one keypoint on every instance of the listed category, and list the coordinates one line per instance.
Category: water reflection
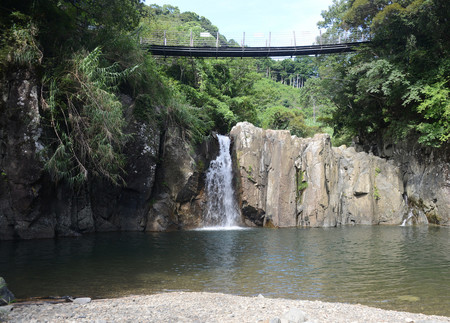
(402, 268)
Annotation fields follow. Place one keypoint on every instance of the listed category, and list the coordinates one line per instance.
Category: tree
(390, 87)
(282, 118)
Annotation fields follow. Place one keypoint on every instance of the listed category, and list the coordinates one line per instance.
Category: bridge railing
(268, 39)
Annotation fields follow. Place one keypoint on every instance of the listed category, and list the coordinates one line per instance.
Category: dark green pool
(401, 268)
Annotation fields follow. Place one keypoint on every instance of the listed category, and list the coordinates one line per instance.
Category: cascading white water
(405, 221)
(221, 207)
(411, 218)
(410, 214)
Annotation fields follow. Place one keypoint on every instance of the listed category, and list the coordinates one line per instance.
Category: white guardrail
(269, 39)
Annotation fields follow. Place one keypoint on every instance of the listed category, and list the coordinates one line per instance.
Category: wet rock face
(289, 181)
(425, 174)
(427, 182)
(265, 160)
(133, 199)
(32, 206)
(179, 197)
(20, 168)
(369, 189)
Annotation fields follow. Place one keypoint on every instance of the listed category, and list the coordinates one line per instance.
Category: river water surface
(400, 268)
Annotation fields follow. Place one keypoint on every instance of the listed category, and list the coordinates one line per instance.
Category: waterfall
(410, 214)
(221, 207)
(405, 221)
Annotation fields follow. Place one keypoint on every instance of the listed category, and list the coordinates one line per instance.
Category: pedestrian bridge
(204, 44)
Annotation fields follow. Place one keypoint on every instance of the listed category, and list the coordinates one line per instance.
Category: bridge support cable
(163, 43)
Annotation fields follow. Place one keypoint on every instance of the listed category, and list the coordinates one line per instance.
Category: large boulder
(369, 189)
(6, 296)
(268, 181)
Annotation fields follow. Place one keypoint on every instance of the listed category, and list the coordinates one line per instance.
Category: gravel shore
(209, 307)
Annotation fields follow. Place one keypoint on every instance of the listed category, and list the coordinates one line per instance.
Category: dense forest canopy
(87, 55)
(398, 85)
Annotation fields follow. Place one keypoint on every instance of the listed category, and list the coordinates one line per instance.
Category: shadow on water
(401, 268)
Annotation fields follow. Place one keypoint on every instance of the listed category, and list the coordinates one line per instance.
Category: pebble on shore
(210, 307)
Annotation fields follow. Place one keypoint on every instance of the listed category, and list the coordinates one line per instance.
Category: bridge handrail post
(191, 43)
(320, 37)
(243, 40)
(165, 38)
(217, 40)
(270, 38)
(295, 42)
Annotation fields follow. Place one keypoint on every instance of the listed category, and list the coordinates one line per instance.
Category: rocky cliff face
(283, 180)
(20, 166)
(425, 174)
(180, 191)
(163, 176)
(290, 181)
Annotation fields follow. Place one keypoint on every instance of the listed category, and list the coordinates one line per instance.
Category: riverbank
(209, 307)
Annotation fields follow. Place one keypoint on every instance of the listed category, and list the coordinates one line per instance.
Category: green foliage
(67, 26)
(145, 109)
(269, 93)
(18, 45)
(227, 91)
(113, 14)
(376, 193)
(200, 166)
(283, 118)
(87, 119)
(377, 171)
(158, 19)
(435, 108)
(221, 88)
(244, 108)
(302, 184)
(250, 174)
(192, 119)
(292, 72)
(398, 85)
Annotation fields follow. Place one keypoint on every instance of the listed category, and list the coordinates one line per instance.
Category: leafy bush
(87, 119)
(18, 45)
(435, 108)
(283, 118)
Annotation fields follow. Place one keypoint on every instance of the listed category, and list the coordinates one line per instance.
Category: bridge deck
(251, 51)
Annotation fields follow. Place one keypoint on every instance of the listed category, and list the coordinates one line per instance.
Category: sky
(254, 17)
